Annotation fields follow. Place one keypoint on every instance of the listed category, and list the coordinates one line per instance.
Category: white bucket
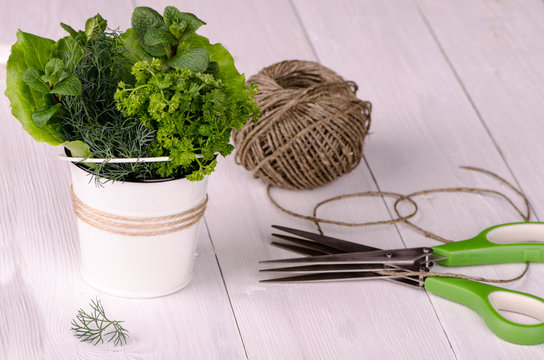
(137, 266)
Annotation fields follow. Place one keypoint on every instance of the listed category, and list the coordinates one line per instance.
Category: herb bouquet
(145, 112)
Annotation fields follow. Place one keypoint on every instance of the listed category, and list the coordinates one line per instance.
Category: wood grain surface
(452, 83)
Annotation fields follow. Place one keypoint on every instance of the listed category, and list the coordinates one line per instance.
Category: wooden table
(452, 83)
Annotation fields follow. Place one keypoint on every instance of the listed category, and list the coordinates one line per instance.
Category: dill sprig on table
(94, 327)
(93, 117)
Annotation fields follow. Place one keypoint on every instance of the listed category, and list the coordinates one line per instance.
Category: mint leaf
(213, 68)
(32, 78)
(143, 19)
(133, 50)
(160, 41)
(63, 75)
(186, 22)
(69, 86)
(30, 51)
(196, 60)
(42, 115)
(53, 71)
(54, 66)
(178, 29)
(171, 15)
(94, 25)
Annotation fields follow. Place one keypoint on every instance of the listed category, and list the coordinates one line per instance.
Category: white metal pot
(137, 266)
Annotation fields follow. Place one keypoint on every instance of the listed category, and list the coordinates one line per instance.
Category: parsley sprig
(192, 114)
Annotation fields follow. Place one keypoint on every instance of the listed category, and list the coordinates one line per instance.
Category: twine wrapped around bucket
(311, 130)
(137, 226)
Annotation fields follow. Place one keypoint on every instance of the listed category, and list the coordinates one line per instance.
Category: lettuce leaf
(32, 51)
(232, 79)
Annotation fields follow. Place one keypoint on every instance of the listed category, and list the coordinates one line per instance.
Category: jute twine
(525, 215)
(311, 130)
(137, 226)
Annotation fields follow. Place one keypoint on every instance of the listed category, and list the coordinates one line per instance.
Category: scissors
(335, 259)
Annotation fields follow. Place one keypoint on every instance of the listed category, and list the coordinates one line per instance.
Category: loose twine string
(405, 218)
(137, 226)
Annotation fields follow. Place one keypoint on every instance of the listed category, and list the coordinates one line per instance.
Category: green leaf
(63, 75)
(143, 19)
(233, 80)
(69, 86)
(213, 68)
(32, 78)
(171, 15)
(78, 148)
(42, 115)
(186, 22)
(133, 51)
(94, 25)
(159, 42)
(78, 36)
(53, 71)
(196, 60)
(70, 30)
(54, 66)
(30, 51)
(177, 29)
(159, 37)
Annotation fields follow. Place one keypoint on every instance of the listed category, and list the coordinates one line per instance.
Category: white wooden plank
(498, 53)
(43, 18)
(423, 128)
(40, 287)
(346, 320)
(326, 321)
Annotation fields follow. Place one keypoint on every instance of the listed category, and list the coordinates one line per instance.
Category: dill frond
(93, 117)
(94, 327)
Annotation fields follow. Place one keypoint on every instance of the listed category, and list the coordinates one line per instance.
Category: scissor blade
(339, 244)
(326, 276)
(345, 268)
(309, 244)
(395, 256)
(299, 249)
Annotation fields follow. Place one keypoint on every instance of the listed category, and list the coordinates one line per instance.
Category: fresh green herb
(56, 82)
(93, 117)
(158, 89)
(191, 113)
(166, 37)
(31, 98)
(94, 327)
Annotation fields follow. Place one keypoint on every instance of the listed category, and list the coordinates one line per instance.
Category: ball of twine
(311, 130)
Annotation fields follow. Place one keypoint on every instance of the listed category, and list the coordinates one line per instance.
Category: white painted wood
(423, 128)
(43, 18)
(498, 55)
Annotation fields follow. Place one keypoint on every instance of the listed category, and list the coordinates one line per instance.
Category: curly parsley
(191, 113)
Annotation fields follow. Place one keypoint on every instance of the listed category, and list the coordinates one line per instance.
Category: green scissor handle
(486, 300)
(506, 243)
